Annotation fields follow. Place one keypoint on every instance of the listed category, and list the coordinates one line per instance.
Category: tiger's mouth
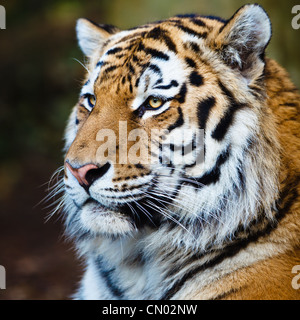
(101, 220)
(109, 213)
(95, 207)
(122, 218)
(140, 212)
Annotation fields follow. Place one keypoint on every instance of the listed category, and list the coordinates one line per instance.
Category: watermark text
(296, 279)
(2, 18)
(159, 146)
(2, 277)
(296, 19)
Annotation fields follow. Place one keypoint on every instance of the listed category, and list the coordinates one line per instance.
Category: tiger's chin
(100, 220)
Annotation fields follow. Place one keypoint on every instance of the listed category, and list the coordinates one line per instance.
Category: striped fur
(210, 229)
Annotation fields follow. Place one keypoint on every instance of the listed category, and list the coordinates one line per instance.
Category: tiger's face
(166, 113)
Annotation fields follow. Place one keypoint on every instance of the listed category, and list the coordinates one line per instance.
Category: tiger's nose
(88, 173)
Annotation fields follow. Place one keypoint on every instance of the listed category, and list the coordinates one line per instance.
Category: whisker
(82, 65)
(168, 216)
(58, 207)
(186, 205)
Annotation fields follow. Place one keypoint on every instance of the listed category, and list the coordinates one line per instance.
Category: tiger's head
(172, 130)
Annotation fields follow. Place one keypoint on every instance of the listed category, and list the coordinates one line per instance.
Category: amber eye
(91, 100)
(155, 103)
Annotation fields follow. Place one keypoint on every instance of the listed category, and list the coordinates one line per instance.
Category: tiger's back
(220, 221)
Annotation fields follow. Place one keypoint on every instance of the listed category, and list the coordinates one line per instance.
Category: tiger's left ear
(91, 36)
(243, 40)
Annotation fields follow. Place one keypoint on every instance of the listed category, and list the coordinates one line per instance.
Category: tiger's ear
(91, 36)
(243, 39)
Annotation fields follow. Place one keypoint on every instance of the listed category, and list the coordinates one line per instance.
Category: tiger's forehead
(128, 53)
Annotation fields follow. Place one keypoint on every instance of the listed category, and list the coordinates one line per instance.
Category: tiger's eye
(155, 102)
(91, 100)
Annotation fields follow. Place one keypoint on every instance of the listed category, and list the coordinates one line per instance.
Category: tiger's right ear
(91, 36)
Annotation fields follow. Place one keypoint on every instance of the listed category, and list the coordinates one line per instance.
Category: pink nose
(88, 173)
(81, 173)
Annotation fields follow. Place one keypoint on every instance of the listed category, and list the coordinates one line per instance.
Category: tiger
(220, 221)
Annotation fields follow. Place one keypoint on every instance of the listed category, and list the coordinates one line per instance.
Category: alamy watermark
(296, 279)
(2, 277)
(2, 18)
(296, 20)
(139, 146)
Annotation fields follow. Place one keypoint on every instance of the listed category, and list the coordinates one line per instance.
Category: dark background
(39, 83)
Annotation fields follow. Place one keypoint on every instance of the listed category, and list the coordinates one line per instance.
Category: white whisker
(82, 65)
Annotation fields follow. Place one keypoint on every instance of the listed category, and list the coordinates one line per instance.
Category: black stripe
(107, 27)
(172, 147)
(226, 91)
(155, 69)
(108, 276)
(158, 33)
(289, 104)
(225, 294)
(130, 67)
(135, 58)
(153, 52)
(199, 159)
(172, 84)
(198, 22)
(190, 62)
(124, 188)
(157, 54)
(227, 120)
(211, 176)
(170, 44)
(203, 111)
(241, 175)
(288, 196)
(137, 195)
(114, 50)
(182, 94)
(191, 31)
(109, 69)
(159, 81)
(196, 79)
(214, 174)
(179, 122)
(224, 124)
(186, 15)
(101, 63)
(139, 166)
(189, 147)
(137, 82)
(194, 46)
(121, 55)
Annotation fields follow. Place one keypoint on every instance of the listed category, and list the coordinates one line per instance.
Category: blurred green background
(40, 82)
